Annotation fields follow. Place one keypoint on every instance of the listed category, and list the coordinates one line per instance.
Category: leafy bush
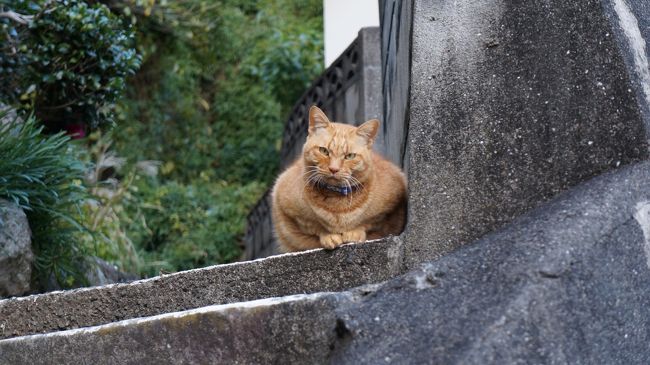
(216, 85)
(288, 65)
(68, 62)
(104, 205)
(181, 227)
(42, 175)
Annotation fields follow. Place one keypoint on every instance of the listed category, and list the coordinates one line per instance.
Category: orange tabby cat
(339, 191)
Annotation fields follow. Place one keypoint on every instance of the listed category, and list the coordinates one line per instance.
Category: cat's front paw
(331, 241)
(354, 236)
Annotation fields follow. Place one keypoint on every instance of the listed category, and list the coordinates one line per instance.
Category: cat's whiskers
(311, 175)
(354, 182)
(349, 195)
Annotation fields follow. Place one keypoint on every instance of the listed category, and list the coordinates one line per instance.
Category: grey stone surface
(395, 17)
(564, 284)
(16, 255)
(262, 332)
(630, 21)
(100, 272)
(307, 272)
(511, 103)
(8, 115)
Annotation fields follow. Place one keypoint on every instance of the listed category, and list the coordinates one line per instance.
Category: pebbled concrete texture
(306, 272)
(260, 332)
(511, 103)
(630, 21)
(565, 283)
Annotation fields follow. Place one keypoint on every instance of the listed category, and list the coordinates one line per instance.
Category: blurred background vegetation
(181, 106)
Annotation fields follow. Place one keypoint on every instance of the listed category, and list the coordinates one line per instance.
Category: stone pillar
(508, 103)
(395, 19)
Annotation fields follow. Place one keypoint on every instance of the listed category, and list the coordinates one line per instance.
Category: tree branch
(18, 18)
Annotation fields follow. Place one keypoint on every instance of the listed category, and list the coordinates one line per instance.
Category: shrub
(68, 62)
(288, 65)
(42, 175)
(105, 203)
(179, 227)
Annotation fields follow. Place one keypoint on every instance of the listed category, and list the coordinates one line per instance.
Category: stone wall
(508, 103)
(395, 18)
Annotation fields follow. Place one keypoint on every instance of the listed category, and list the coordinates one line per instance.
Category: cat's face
(338, 154)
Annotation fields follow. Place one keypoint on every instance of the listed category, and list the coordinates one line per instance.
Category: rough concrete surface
(630, 21)
(395, 17)
(512, 102)
(307, 272)
(16, 255)
(565, 284)
(241, 333)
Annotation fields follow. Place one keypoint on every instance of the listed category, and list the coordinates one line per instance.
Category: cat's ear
(317, 119)
(368, 131)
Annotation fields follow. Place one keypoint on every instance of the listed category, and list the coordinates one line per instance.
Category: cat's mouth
(334, 180)
(316, 176)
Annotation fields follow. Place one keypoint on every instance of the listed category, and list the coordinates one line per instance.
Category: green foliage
(210, 100)
(69, 62)
(42, 175)
(281, 65)
(104, 205)
(216, 84)
(181, 227)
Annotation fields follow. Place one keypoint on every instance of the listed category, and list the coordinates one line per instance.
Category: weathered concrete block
(564, 284)
(306, 272)
(240, 333)
(16, 255)
(510, 103)
(395, 18)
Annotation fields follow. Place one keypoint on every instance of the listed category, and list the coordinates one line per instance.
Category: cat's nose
(334, 169)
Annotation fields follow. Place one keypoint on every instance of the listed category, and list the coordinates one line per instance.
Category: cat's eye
(324, 151)
(350, 156)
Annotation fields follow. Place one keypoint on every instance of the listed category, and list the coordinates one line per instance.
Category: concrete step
(297, 273)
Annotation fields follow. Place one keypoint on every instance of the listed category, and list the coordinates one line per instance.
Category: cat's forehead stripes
(339, 143)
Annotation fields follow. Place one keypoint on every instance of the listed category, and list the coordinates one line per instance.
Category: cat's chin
(334, 181)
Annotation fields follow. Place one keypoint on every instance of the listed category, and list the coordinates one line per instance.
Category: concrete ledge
(266, 331)
(306, 272)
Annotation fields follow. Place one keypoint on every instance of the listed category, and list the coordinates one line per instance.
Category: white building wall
(343, 19)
